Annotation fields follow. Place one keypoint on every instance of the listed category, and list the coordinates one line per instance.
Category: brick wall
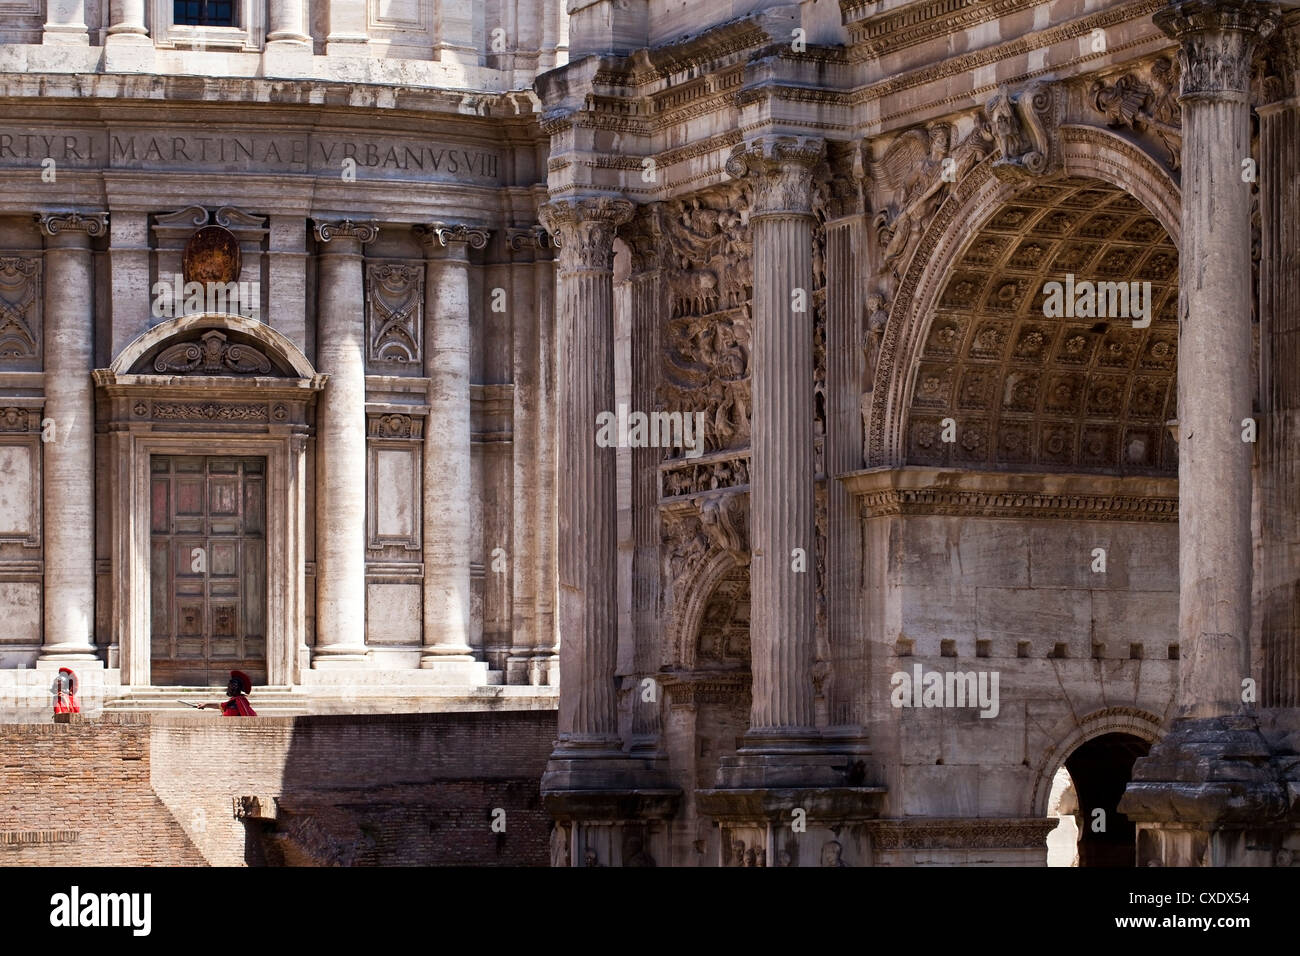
(79, 793)
(415, 789)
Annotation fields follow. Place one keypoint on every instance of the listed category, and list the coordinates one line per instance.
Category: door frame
(270, 416)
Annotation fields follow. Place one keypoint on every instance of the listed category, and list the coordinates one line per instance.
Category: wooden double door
(207, 568)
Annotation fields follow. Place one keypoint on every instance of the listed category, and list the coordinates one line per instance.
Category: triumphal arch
(986, 307)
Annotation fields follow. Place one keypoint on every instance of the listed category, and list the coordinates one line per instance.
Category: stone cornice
(934, 491)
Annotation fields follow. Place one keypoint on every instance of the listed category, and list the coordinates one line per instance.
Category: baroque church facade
(963, 332)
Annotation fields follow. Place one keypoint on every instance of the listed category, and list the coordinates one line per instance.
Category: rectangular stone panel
(20, 608)
(393, 495)
(393, 613)
(20, 492)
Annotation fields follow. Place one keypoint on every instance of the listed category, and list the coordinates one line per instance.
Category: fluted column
(584, 231)
(850, 696)
(529, 444)
(448, 531)
(783, 568)
(68, 457)
(544, 668)
(647, 296)
(1279, 354)
(341, 446)
(1214, 351)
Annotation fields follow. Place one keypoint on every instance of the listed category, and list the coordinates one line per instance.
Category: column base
(446, 654)
(343, 657)
(599, 768)
(1219, 791)
(346, 45)
(55, 655)
(287, 57)
(517, 668)
(128, 53)
(792, 826)
(455, 670)
(65, 34)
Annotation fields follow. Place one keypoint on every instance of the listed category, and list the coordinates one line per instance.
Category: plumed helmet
(245, 682)
(71, 679)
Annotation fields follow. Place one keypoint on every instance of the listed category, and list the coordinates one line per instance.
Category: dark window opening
(204, 13)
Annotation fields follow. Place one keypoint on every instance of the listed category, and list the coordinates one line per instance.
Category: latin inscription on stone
(382, 157)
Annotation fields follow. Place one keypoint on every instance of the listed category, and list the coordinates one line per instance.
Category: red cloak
(238, 706)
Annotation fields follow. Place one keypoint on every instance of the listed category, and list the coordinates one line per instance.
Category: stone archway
(201, 386)
(1087, 153)
(1126, 721)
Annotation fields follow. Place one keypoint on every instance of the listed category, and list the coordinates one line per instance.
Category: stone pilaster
(347, 28)
(544, 668)
(287, 270)
(645, 242)
(448, 531)
(68, 454)
(65, 22)
(1213, 775)
(587, 547)
(783, 568)
(526, 445)
(1278, 590)
(845, 339)
(341, 446)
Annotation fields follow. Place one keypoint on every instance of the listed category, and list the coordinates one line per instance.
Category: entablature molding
(883, 492)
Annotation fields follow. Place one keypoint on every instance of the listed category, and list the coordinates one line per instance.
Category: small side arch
(1124, 720)
(690, 605)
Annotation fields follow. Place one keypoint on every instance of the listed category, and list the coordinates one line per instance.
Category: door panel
(208, 568)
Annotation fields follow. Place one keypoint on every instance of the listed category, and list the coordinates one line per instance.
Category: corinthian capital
(363, 232)
(780, 169)
(93, 224)
(583, 231)
(1217, 40)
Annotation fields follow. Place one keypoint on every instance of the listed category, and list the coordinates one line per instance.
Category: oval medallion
(211, 255)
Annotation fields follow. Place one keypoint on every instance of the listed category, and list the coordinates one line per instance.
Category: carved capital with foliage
(1217, 41)
(584, 229)
(780, 169)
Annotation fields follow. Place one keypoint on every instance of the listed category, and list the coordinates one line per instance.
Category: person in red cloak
(65, 692)
(238, 705)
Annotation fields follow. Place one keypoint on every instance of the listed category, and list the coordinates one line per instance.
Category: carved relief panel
(20, 313)
(394, 317)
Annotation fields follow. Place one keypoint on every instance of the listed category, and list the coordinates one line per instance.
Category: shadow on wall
(359, 790)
